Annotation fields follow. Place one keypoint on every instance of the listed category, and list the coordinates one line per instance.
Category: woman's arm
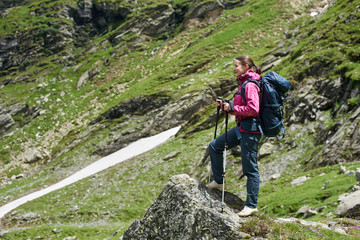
(252, 106)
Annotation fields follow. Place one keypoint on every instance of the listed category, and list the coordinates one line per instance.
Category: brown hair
(245, 59)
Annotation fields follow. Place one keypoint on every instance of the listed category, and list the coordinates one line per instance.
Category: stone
(306, 211)
(186, 209)
(32, 155)
(311, 223)
(349, 173)
(349, 205)
(342, 169)
(299, 181)
(18, 108)
(70, 238)
(19, 176)
(6, 122)
(267, 149)
(29, 216)
(171, 156)
(275, 176)
(357, 175)
(83, 79)
(345, 137)
(56, 230)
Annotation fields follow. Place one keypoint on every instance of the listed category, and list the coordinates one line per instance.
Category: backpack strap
(251, 123)
(242, 90)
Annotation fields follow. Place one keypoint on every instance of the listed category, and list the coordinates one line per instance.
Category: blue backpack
(272, 95)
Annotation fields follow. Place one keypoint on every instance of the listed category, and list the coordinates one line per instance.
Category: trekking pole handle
(219, 99)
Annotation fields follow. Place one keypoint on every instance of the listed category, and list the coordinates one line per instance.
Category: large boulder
(6, 122)
(186, 209)
(349, 205)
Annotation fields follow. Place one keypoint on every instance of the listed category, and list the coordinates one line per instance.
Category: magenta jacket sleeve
(251, 107)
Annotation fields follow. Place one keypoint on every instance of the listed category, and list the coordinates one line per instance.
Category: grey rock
(345, 138)
(30, 216)
(89, 74)
(357, 174)
(342, 197)
(203, 8)
(186, 209)
(18, 108)
(70, 238)
(267, 149)
(56, 230)
(32, 155)
(6, 122)
(299, 181)
(171, 156)
(306, 211)
(349, 205)
(83, 79)
(355, 188)
(349, 173)
(342, 169)
(331, 226)
(19, 176)
(160, 19)
(275, 176)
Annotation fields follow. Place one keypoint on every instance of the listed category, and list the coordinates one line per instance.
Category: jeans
(249, 148)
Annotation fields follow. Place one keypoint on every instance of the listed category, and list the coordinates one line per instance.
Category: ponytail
(258, 69)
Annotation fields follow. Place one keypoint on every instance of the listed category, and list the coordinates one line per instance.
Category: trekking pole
(224, 164)
(217, 120)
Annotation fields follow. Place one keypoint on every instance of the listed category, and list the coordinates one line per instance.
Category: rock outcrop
(342, 145)
(186, 209)
(349, 205)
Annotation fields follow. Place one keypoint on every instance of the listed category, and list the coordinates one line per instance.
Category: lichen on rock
(186, 209)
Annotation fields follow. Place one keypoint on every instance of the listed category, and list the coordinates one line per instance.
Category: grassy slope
(103, 215)
(71, 113)
(331, 41)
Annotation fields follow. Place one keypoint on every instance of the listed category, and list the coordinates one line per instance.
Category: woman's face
(239, 68)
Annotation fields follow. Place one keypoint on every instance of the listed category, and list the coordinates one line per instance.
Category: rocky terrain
(82, 79)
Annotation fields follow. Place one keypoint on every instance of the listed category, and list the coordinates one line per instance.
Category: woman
(246, 133)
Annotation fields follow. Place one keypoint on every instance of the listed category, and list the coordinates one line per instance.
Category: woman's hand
(223, 105)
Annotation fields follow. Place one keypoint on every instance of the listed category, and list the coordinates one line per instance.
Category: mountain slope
(82, 80)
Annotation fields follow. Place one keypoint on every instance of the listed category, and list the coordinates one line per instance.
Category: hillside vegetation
(82, 79)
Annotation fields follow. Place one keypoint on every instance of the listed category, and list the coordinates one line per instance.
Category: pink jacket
(250, 108)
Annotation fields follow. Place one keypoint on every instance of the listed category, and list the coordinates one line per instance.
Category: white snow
(132, 150)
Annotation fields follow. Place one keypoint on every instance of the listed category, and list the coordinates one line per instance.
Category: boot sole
(253, 213)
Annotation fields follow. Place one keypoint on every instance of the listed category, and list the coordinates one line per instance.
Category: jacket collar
(249, 74)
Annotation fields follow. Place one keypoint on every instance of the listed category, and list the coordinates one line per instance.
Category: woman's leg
(216, 149)
(249, 150)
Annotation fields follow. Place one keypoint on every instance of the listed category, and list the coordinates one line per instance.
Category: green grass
(279, 199)
(177, 68)
(55, 231)
(113, 195)
(327, 41)
(266, 226)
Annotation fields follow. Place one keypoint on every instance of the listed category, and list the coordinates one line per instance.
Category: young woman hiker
(245, 113)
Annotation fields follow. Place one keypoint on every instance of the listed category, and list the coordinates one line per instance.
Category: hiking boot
(215, 185)
(247, 211)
